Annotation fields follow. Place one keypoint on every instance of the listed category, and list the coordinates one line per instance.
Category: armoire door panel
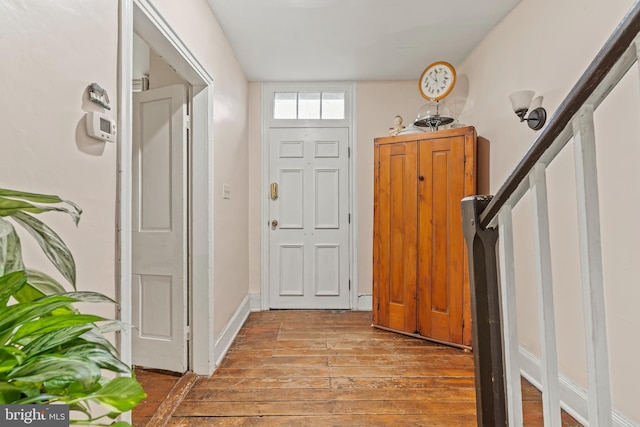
(396, 228)
(441, 246)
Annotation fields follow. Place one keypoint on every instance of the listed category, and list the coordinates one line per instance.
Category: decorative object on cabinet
(429, 116)
(397, 126)
(420, 276)
(523, 101)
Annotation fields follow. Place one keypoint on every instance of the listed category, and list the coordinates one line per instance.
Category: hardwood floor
(326, 368)
(157, 385)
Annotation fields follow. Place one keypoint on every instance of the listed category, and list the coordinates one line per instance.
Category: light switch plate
(226, 191)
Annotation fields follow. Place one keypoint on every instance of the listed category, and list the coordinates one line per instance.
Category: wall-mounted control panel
(101, 126)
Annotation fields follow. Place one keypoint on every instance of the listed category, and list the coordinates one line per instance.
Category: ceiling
(328, 40)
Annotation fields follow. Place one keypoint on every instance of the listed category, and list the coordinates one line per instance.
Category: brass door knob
(274, 223)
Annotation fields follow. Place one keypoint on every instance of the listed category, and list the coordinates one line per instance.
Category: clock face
(437, 80)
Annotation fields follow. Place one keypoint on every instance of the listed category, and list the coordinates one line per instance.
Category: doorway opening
(141, 17)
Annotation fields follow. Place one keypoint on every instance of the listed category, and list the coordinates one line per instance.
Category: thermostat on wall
(101, 126)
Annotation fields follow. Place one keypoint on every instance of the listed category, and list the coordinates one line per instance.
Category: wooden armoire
(420, 273)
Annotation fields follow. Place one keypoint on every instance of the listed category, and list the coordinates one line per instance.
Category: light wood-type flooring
(331, 368)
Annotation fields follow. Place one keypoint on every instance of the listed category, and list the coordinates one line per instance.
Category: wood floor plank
(402, 383)
(241, 361)
(219, 395)
(290, 372)
(317, 407)
(390, 359)
(334, 420)
(262, 383)
(400, 371)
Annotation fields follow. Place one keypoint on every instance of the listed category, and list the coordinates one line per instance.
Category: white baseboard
(573, 399)
(231, 330)
(255, 302)
(365, 302)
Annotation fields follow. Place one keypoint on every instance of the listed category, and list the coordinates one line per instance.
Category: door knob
(421, 178)
(274, 223)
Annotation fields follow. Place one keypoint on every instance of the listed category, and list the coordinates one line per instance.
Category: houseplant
(50, 352)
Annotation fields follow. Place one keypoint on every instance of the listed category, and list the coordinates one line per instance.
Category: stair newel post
(485, 309)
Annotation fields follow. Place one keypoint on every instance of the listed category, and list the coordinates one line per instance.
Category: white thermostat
(101, 126)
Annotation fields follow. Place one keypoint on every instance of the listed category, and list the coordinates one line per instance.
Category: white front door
(159, 229)
(309, 218)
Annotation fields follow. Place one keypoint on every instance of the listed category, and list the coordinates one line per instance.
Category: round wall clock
(437, 80)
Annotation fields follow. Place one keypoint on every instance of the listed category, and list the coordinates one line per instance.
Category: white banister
(544, 281)
(591, 267)
(509, 317)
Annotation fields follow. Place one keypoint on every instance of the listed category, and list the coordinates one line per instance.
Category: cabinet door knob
(421, 178)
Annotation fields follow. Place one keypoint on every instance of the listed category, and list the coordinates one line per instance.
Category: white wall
(49, 57)
(568, 35)
(196, 25)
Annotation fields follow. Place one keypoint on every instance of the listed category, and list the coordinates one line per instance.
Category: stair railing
(488, 231)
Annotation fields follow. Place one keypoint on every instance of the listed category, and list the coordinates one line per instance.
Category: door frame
(149, 24)
(268, 122)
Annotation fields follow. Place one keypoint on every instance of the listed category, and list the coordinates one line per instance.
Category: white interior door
(159, 229)
(309, 237)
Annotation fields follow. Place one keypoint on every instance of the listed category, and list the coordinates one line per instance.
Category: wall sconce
(522, 102)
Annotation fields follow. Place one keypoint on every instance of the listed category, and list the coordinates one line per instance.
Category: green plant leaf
(39, 285)
(10, 284)
(100, 356)
(8, 392)
(10, 357)
(94, 336)
(9, 205)
(58, 370)
(55, 338)
(10, 250)
(88, 297)
(39, 398)
(122, 394)
(51, 244)
(16, 314)
(34, 197)
(120, 424)
(46, 325)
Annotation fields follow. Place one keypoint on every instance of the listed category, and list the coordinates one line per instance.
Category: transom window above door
(309, 105)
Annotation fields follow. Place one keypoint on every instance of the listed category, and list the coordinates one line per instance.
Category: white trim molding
(573, 398)
(231, 330)
(125, 138)
(255, 302)
(365, 302)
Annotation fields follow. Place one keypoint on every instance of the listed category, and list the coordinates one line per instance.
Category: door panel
(309, 246)
(396, 236)
(441, 281)
(159, 265)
